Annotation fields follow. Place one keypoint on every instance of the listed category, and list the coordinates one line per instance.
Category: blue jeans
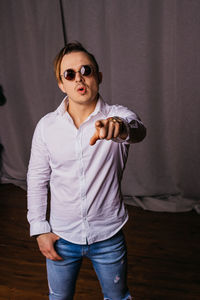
(109, 260)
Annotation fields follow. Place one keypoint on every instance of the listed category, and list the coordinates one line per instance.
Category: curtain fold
(148, 52)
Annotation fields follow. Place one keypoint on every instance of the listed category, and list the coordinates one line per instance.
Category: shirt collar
(62, 107)
(100, 107)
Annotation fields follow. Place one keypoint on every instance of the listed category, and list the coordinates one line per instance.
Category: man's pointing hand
(108, 129)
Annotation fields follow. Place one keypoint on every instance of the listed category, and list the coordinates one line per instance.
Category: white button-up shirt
(86, 199)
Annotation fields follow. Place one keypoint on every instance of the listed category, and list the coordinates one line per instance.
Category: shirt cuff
(39, 228)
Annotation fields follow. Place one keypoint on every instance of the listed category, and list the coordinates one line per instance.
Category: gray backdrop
(148, 51)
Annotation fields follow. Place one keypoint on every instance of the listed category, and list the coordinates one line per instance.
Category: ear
(60, 84)
(100, 76)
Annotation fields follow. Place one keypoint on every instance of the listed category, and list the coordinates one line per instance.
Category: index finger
(51, 254)
(55, 255)
(98, 125)
(94, 138)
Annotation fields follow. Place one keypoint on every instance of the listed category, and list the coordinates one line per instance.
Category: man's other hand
(46, 245)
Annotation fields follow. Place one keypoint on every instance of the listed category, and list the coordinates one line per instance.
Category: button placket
(82, 182)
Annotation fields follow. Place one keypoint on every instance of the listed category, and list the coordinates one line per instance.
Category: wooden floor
(163, 253)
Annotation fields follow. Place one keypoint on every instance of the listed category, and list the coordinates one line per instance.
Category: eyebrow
(73, 68)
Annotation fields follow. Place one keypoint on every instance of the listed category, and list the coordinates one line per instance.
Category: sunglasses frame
(91, 68)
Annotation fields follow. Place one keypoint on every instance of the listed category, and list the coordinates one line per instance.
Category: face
(82, 90)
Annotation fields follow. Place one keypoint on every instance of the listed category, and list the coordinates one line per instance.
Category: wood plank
(163, 254)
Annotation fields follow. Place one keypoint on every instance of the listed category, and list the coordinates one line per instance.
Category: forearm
(38, 177)
(136, 131)
(37, 208)
(131, 131)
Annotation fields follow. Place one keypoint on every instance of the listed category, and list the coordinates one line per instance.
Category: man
(81, 150)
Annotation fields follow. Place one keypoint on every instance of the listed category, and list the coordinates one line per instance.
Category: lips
(81, 89)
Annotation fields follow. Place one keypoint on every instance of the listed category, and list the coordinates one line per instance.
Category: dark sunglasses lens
(86, 70)
(69, 74)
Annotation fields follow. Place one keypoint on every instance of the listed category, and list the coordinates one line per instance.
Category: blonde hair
(71, 47)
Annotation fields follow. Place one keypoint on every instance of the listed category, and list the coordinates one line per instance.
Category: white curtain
(148, 51)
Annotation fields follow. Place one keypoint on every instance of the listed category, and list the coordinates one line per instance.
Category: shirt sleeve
(37, 182)
(133, 124)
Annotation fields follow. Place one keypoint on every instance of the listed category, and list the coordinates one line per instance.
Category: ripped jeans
(109, 260)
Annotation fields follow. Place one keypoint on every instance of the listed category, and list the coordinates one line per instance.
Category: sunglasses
(85, 70)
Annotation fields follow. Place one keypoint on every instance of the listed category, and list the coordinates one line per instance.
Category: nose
(78, 77)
